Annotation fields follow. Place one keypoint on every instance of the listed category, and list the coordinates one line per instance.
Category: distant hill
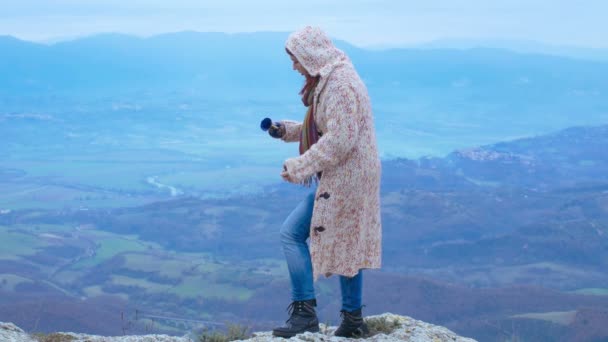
(426, 101)
(573, 157)
(258, 59)
(522, 46)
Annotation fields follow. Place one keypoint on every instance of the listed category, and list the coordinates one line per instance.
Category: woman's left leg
(352, 324)
(352, 289)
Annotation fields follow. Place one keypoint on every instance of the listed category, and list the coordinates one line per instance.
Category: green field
(66, 277)
(111, 175)
(9, 281)
(196, 274)
(32, 195)
(41, 228)
(94, 291)
(168, 267)
(592, 291)
(144, 270)
(228, 179)
(17, 244)
(90, 179)
(276, 268)
(110, 247)
(559, 317)
(201, 286)
(90, 173)
(521, 273)
(147, 286)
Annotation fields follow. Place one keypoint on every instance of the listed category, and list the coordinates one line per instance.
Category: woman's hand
(277, 130)
(285, 175)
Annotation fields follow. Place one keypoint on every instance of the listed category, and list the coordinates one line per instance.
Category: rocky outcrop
(12, 333)
(386, 327)
(395, 327)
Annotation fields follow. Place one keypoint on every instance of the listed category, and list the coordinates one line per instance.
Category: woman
(338, 152)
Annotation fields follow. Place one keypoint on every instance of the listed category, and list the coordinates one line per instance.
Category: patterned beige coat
(345, 232)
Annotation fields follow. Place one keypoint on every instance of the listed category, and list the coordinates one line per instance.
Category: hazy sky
(361, 22)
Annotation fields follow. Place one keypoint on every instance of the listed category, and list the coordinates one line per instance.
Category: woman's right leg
(294, 233)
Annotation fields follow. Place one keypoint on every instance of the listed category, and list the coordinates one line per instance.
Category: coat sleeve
(333, 147)
(292, 130)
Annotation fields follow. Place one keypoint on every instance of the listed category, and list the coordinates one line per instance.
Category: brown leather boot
(303, 318)
(352, 324)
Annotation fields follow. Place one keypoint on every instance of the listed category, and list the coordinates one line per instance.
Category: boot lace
(294, 308)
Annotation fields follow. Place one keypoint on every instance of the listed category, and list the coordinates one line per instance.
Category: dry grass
(381, 325)
(235, 332)
(55, 337)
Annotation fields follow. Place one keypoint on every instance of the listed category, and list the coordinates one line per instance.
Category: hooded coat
(345, 230)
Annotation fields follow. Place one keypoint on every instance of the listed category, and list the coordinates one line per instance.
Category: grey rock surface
(12, 333)
(405, 329)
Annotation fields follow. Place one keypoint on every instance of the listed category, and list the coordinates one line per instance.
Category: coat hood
(315, 51)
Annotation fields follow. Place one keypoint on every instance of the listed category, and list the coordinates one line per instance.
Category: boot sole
(360, 332)
(289, 335)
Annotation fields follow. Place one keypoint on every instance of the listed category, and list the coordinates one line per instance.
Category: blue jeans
(294, 233)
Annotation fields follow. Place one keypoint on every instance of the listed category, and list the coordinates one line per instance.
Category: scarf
(309, 134)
